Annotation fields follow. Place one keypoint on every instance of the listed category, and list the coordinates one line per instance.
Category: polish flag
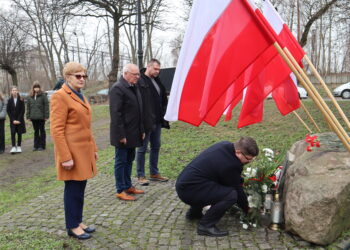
(285, 36)
(271, 75)
(223, 38)
(286, 95)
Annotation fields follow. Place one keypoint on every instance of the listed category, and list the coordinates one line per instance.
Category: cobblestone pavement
(155, 221)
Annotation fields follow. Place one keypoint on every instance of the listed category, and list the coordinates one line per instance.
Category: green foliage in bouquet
(259, 179)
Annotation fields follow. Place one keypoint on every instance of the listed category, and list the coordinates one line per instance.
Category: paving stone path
(156, 220)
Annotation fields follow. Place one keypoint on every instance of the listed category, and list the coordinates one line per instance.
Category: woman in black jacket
(15, 111)
(2, 122)
(38, 113)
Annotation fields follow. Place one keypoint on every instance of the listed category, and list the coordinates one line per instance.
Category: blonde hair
(72, 67)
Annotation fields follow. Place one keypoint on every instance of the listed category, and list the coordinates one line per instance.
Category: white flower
(245, 226)
(253, 172)
(268, 152)
(264, 188)
(251, 201)
(254, 225)
(250, 172)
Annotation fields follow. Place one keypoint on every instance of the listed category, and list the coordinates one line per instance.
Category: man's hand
(96, 156)
(68, 165)
(123, 141)
(143, 136)
(15, 122)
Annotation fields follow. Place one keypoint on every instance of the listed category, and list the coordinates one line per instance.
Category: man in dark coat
(214, 178)
(126, 130)
(154, 103)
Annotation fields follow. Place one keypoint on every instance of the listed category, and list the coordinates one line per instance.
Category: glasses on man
(80, 76)
(248, 159)
(134, 74)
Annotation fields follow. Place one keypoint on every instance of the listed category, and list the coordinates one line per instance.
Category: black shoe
(193, 216)
(83, 236)
(210, 231)
(40, 149)
(89, 230)
(1, 152)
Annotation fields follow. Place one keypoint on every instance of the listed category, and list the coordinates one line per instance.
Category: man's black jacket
(154, 104)
(211, 176)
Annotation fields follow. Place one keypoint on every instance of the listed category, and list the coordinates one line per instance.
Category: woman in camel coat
(75, 147)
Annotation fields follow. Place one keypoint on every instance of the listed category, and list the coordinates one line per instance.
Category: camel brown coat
(70, 124)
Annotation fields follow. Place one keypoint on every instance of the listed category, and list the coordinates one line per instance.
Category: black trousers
(217, 210)
(2, 134)
(15, 131)
(39, 134)
(74, 202)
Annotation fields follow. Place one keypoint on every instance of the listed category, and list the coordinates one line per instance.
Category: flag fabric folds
(227, 51)
(233, 42)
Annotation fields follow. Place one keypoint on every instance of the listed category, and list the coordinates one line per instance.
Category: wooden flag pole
(301, 120)
(342, 136)
(329, 93)
(309, 115)
(337, 128)
(318, 96)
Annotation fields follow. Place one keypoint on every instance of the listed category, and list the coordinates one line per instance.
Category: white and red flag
(222, 40)
(286, 95)
(227, 49)
(275, 77)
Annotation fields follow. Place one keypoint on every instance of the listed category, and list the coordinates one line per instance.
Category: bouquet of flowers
(259, 180)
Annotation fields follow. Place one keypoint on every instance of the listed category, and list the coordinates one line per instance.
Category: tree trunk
(13, 74)
(113, 75)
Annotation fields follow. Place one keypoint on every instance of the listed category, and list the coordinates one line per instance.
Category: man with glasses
(214, 178)
(126, 130)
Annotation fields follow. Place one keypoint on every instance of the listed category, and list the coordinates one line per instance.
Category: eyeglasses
(80, 76)
(134, 74)
(248, 159)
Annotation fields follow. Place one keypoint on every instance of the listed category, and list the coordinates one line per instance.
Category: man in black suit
(214, 178)
(126, 130)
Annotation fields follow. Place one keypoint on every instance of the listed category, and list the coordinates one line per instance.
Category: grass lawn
(180, 145)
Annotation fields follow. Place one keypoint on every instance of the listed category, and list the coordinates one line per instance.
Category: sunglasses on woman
(80, 76)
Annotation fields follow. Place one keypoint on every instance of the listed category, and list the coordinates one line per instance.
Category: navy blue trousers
(74, 202)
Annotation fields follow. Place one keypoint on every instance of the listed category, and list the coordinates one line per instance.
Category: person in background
(38, 113)
(214, 178)
(126, 129)
(154, 101)
(3, 104)
(75, 147)
(15, 110)
(59, 83)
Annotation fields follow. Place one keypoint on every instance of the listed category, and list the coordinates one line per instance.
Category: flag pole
(319, 78)
(309, 115)
(315, 92)
(317, 99)
(301, 120)
(336, 126)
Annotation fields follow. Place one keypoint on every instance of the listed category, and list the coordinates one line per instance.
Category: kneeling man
(214, 178)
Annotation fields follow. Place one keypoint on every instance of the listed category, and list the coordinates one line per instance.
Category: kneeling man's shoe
(210, 231)
(133, 190)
